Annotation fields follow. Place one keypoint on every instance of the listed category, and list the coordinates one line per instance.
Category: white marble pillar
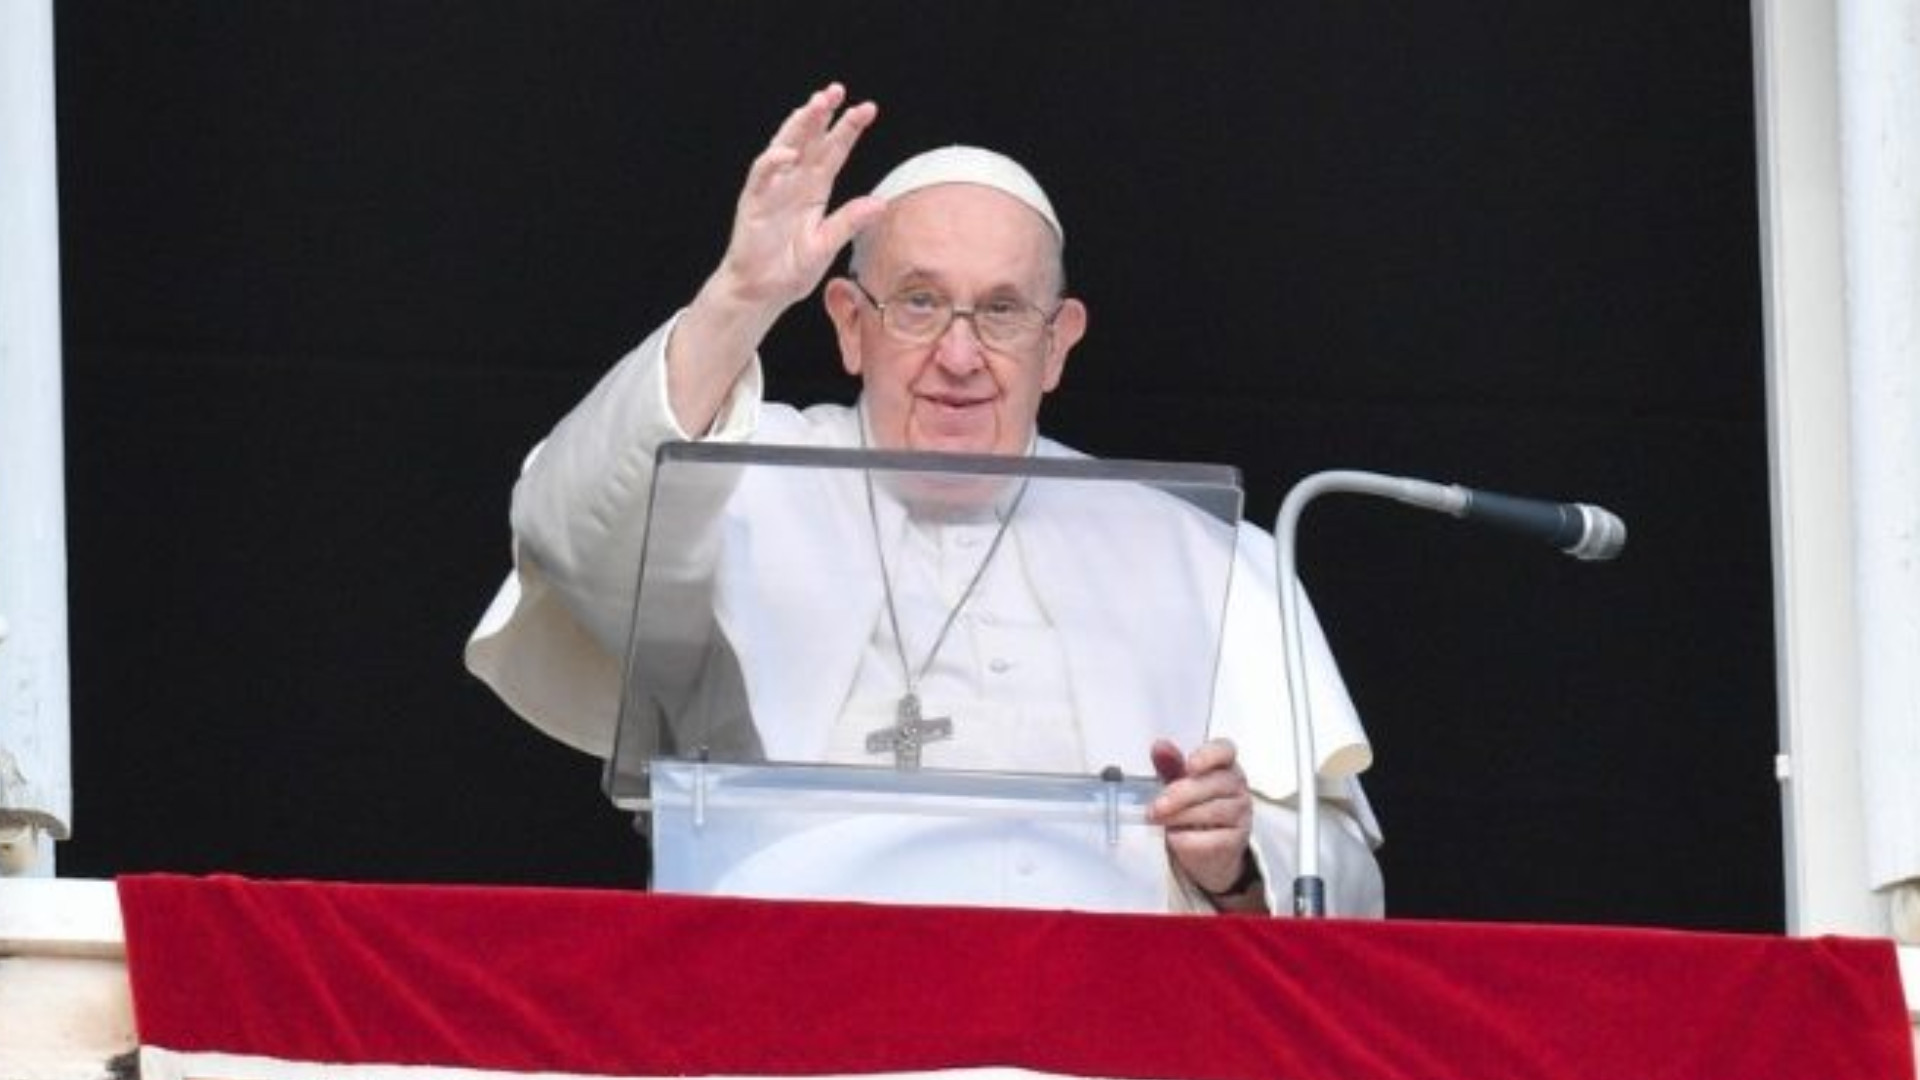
(1797, 110)
(36, 791)
(1879, 77)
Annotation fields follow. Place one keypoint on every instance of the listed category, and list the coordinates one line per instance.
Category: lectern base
(837, 833)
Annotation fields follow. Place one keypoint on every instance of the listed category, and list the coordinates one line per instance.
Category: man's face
(971, 245)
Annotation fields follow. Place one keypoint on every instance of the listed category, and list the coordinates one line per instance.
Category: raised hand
(784, 239)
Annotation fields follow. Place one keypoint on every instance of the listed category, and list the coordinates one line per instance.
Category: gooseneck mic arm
(1584, 532)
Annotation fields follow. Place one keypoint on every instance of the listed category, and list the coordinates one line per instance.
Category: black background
(331, 268)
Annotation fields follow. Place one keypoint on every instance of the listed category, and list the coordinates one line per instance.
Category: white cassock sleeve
(550, 642)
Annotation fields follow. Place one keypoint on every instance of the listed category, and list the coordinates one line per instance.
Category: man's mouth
(947, 403)
(949, 416)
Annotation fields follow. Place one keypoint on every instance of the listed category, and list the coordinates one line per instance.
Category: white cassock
(1039, 671)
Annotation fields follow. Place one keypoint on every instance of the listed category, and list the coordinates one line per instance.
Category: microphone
(1588, 533)
(1585, 532)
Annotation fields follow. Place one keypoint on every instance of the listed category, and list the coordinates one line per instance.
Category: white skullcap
(970, 165)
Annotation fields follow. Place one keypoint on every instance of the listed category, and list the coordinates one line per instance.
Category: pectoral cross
(908, 734)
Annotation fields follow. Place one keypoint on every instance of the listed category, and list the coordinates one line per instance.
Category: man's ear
(843, 303)
(1069, 326)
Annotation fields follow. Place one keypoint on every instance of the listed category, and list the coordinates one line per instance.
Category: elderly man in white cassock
(954, 318)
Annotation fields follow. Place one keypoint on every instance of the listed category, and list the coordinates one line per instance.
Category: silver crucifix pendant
(910, 732)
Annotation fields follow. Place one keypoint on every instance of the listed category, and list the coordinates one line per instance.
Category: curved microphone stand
(1309, 891)
(1585, 532)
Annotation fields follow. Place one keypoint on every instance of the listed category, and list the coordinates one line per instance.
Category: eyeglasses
(919, 316)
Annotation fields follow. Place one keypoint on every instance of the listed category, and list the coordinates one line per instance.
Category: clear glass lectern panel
(901, 657)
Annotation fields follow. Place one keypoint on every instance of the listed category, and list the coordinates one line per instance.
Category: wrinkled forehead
(961, 236)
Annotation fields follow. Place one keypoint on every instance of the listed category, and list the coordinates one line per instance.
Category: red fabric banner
(616, 983)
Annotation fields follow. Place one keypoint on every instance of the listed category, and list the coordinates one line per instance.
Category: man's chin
(956, 446)
(955, 442)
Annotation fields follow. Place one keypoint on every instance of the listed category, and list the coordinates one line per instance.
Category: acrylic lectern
(918, 678)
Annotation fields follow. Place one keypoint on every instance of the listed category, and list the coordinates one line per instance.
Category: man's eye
(921, 303)
(1003, 308)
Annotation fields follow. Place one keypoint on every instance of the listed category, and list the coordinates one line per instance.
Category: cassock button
(999, 665)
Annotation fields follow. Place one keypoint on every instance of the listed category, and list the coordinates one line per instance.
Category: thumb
(840, 227)
(1168, 762)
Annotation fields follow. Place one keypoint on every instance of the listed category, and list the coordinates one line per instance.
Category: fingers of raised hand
(811, 145)
(804, 125)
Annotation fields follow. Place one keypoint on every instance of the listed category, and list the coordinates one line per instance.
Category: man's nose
(958, 348)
